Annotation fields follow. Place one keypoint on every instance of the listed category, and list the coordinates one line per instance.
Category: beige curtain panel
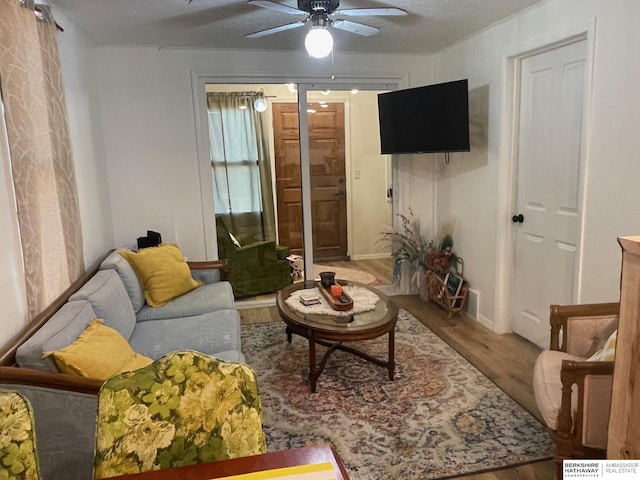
(40, 150)
(239, 137)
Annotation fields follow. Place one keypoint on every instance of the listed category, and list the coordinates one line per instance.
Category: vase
(423, 290)
(327, 279)
(410, 279)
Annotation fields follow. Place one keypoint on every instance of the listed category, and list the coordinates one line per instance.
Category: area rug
(440, 417)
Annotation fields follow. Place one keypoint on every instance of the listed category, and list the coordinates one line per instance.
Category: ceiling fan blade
(277, 6)
(269, 31)
(352, 12)
(354, 27)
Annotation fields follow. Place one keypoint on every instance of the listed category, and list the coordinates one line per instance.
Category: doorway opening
(349, 179)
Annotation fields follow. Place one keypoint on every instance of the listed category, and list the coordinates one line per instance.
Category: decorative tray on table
(343, 302)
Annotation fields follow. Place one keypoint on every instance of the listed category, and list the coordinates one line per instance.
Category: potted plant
(414, 256)
(409, 249)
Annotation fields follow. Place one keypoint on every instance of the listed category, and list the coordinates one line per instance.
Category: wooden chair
(573, 393)
(183, 409)
(18, 449)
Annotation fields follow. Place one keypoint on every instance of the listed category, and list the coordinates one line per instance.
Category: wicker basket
(438, 293)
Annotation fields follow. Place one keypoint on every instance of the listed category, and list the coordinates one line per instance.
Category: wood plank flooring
(506, 359)
(381, 267)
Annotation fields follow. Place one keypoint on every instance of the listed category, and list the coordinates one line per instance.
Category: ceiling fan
(319, 13)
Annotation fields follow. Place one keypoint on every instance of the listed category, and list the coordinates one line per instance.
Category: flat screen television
(429, 119)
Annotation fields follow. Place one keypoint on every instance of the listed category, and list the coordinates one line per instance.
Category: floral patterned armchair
(18, 455)
(183, 409)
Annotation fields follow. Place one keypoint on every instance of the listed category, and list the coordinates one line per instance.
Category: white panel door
(548, 189)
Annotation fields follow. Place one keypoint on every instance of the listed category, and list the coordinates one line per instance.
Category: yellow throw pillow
(99, 352)
(608, 352)
(163, 272)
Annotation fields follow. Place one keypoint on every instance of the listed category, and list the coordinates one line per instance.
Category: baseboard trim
(259, 303)
(374, 256)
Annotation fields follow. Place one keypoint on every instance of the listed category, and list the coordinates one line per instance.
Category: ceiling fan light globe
(318, 42)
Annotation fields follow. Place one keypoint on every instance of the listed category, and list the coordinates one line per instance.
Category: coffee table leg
(392, 356)
(313, 374)
(288, 332)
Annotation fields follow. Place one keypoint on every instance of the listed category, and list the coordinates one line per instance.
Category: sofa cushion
(597, 398)
(60, 330)
(99, 352)
(206, 299)
(209, 275)
(547, 385)
(109, 300)
(163, 272)
(208, 333)
(132, 285)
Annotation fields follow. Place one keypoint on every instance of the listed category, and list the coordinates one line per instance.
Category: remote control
(343, 299)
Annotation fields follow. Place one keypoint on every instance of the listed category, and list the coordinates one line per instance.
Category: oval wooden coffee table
(334, 331)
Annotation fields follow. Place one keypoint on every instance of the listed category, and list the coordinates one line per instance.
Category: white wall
(149, 126)
(613, 169)
(78, 67)
(370, 210)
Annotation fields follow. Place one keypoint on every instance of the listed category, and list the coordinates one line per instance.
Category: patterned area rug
(440, 417)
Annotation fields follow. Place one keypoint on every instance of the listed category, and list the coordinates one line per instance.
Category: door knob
(517, 218)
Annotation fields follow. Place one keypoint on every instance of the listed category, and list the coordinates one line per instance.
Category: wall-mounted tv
(429, 119)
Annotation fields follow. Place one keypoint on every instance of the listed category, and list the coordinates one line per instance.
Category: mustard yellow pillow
(99, 352)
(163, 272)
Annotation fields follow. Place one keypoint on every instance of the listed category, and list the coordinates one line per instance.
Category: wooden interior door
(288, 181)
(328, 180)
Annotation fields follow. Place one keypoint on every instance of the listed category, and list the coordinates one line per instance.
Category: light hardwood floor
(381, 267)
(506, 359)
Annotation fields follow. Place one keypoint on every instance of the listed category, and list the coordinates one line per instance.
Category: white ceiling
(429, 26)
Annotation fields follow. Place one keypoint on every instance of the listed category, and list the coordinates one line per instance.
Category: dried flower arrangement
(408, 245)
(442, 259)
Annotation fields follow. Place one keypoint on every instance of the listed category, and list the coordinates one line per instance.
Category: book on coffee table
(316, 471)
(310, 299)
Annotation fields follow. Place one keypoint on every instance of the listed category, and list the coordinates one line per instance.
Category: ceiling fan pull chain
(333, 66)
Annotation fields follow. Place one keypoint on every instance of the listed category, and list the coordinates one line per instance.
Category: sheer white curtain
(241, 164)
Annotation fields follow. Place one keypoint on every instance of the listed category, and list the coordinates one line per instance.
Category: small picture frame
(453, 283)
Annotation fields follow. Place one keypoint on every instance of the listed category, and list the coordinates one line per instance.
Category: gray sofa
(203, 319)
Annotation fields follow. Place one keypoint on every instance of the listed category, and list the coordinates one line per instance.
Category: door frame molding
(508, 162)
(198, 95)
